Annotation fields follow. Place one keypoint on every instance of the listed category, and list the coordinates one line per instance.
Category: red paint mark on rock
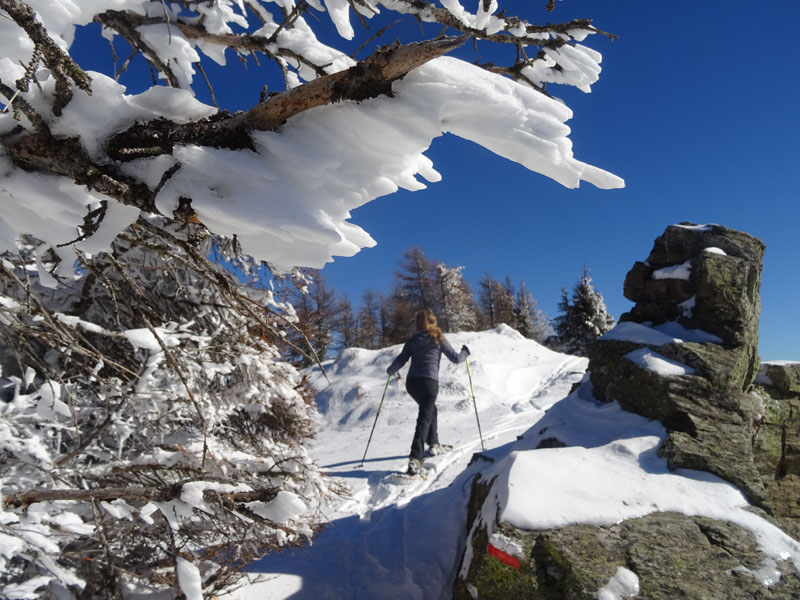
(504, 557)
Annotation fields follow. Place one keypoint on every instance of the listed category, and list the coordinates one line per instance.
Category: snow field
(398, 538)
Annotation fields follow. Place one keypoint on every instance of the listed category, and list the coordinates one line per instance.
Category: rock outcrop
(776, 443)
(699, 286)
(685, 355)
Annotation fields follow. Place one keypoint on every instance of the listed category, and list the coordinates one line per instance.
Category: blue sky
(696, 108)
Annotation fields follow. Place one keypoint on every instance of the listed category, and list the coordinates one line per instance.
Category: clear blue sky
(696, 108)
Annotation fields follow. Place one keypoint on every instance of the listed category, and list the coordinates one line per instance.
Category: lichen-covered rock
(782, 376)
(696, 279)
(776, 443)
(685, 355)
(672, 556)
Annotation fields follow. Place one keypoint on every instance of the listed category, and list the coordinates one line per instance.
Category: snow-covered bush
(147, 426)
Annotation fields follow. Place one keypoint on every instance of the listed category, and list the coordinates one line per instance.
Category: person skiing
(425, 349)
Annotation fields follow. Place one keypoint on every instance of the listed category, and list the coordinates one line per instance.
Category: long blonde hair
(426, 321)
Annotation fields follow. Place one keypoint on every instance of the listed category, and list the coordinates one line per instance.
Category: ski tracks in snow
(398, 537)
(385, 488)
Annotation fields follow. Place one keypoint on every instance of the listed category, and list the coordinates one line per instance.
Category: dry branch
(28, 497)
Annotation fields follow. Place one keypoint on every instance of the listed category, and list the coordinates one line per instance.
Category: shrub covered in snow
(146, 423)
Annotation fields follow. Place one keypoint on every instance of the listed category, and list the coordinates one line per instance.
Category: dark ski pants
(424, 391)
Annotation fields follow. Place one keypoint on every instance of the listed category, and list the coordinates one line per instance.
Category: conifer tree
(458, 312)
(583, 319)
(488, 300)
(530, 321)
(346, 324)
(416, 281)
(497, 301)
(368, 328)
(316, 307)
(505, 308)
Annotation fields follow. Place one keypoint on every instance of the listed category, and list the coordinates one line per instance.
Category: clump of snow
(144, 338)
(189, 579)
(628, 331)
(706, 227)
(119, 509)
(763, 379)
(655, 362)
(281, 509)
(687, 307)
(358, 152)
(624, 584)
(682, 271)
(658, 335)
(715, 250)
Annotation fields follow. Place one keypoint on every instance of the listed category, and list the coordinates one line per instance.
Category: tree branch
(61, 64)
(23, 499)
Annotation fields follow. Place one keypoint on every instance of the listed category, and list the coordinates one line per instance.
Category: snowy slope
(393, 538)
(398, 539)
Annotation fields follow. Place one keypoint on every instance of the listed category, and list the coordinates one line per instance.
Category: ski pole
(475, 404)
(376, 420)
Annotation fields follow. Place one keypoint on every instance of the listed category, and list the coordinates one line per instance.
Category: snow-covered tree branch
(79, 139)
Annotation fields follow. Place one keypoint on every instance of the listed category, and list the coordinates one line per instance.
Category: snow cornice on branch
(370, 78)
(164, 152)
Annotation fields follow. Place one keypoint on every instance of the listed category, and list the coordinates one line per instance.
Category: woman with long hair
(425, 349)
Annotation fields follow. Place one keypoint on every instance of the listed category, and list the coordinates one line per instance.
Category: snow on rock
(624, 584)
(610, 471)
(682, 271)
(655, 362)
(706, 227)
(658, 335)
(683, 334)
(628, 331)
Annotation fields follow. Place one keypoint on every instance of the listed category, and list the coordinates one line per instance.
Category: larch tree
(368, 321)
(496, 301)
(505, 304)
(584, 317)
(346, 324)
(151, 436)
(415, 281)
(317, 310)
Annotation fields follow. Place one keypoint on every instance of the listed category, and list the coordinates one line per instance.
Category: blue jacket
(425, 355)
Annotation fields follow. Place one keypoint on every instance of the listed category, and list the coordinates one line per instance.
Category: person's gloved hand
(464, 349)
